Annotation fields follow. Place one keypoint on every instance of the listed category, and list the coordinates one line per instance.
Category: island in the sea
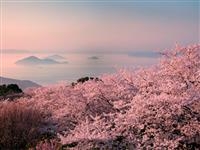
(33, 60)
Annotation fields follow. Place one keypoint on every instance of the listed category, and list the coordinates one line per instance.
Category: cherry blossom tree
(146, 108)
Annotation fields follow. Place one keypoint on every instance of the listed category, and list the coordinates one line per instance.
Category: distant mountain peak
(33, 60)
(32, 57)
(56, 58)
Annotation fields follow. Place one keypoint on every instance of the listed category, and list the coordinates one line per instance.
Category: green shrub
(14, 87)
(85, 79)
(9, 89)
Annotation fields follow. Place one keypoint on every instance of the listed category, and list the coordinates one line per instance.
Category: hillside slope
(23, 84)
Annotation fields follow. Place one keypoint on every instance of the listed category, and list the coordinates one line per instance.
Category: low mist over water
(78, 65)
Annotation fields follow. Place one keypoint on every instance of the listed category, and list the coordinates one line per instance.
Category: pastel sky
(98, 26)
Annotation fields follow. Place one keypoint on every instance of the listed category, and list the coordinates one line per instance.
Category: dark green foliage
(9, 89)
(73, 84)
(85, 79)
(3, 90)
(82, 80)
(14, 87)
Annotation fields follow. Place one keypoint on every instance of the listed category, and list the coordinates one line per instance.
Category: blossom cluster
(153, 108)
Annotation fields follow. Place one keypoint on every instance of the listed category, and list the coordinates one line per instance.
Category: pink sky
(45, 28)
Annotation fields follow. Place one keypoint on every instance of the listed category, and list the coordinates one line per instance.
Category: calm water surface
(79, 65)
